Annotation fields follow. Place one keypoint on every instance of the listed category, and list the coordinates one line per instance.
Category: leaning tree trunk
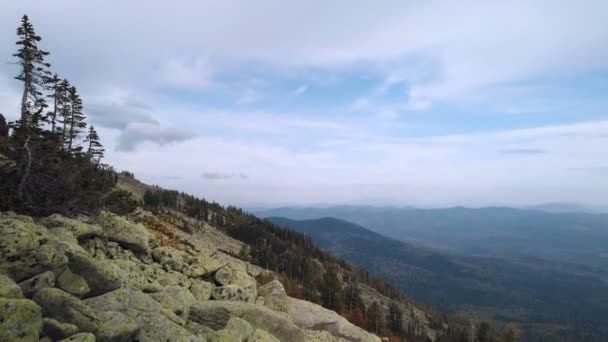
(28, 167)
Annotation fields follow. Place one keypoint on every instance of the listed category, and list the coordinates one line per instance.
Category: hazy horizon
(396, 103)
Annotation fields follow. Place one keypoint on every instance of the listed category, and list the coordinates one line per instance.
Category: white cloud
(138, 133)
(186, 73)
(299, 90)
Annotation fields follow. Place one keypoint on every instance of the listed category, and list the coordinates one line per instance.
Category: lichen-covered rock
(216, 314)
(201, 290)
(237, 329)
(175, 299)
(72, 283)
(58, 330)
(81, 337)
(157, 327)
(274, 296)
(138, 276)
(64, 307)
(115, 327)
(32, 285)
(234, 274)
(27, 249)
(308, 315)
(20, 320)
(172, 278)
(232, 292)
(210, 264)
(260, 335)
(8, 288)
(79, 229)
(128, 234)
(123, 300)
(101, 275)
(169, 258)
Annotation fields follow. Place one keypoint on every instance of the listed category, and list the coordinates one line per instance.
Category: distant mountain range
(578, 238)
(540, 295)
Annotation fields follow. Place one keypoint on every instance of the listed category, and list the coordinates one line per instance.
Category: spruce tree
(76, 123)
(64, 108)
(395, 318)
(95, 151)
(34, 74)
(56, 96)
(375, 321)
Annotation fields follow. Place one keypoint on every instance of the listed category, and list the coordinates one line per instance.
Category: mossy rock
(115, 327)
(128, 234)
(175, 299)
(79, 229)
(157, 327)
(64, 307)
(260, 335)
(81, 337)
(58, 330)
(101, 275)
(32, 285)
(8, 288)
(27, 248)
(233, 292)
(20, 320)
(201, 290)
(72, 283)
(169, 258)
(234, 274)
(123, 300)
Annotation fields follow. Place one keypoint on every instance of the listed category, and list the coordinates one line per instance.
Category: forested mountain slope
(546, 300)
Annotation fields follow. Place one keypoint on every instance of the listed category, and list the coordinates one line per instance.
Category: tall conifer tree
(76, 123)
(34, 74)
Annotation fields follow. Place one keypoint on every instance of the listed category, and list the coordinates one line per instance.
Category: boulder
(81, 337)
(138, 276)
(8, 288)
(20, 320)
(129, 235)
(115, 327)
(27, 249)
(32, 285)
(201, 290)
(72, 283)
(234, 274)
(216, 314)
(123, 300)
(308, 315)
(57, 330)
(80, 230)
(261, 336)
(101, 275)
(232, 292)
(237, 330)
(66, 308)
(157, 327)
(169, 258)
(175, 299)
(274, 296)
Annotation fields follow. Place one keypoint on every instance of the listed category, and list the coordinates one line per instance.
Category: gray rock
(27, 248)
(234, 274)
(233, 292)
(8, 288)
(72, 283)
(201, 290)
(20, 320)
(262, 336)
(123, 300)
(127, 234)
(175, 299)
(157, 327)
(116, 327)
(32, 285)
(81, 337)
(169, 258)
(101, 275)
(66, 308)
(274, 296)
(79, 229)
(58, 330)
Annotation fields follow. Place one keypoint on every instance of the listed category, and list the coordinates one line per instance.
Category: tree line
(50, 158)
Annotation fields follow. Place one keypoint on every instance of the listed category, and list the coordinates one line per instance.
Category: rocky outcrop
(111, 281)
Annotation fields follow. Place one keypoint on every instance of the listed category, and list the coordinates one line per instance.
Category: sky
(266, 103)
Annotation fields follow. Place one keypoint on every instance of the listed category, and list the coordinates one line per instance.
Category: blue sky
(427, 103)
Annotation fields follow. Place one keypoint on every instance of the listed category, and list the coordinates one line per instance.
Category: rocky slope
(144, 278)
